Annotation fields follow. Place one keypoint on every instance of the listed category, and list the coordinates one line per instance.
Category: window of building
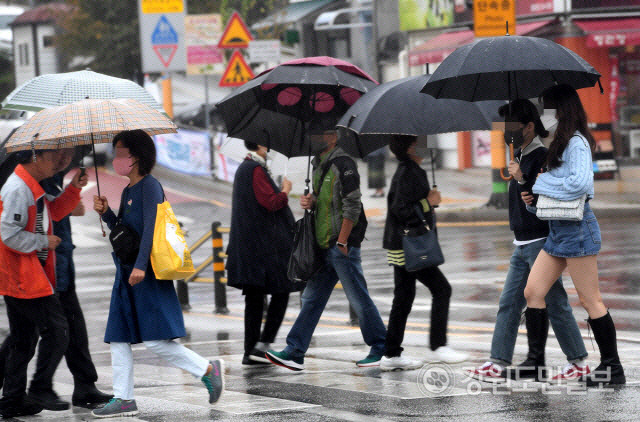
(47, 41)
(23, 54)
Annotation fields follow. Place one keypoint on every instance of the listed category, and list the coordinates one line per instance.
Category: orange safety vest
(21, 274)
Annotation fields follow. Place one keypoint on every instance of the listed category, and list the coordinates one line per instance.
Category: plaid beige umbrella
(85, 122)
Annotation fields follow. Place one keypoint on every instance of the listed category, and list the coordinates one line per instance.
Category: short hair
(523, 111)
(251, 146)
(140, 146)
(400, 144)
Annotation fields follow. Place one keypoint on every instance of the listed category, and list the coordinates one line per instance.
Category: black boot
(610, 371)
(89, 396)
(537, 323)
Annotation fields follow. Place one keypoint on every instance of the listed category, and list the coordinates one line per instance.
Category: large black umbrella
(277, 107)
(507, 68)
(398, 108)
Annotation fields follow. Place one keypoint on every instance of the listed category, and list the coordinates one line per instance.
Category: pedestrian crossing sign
(236, 34)
(237, 72)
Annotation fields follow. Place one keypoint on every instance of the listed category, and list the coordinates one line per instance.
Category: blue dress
(150, 310)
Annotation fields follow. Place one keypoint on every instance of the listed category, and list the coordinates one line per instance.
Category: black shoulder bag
(306, 256)
(421, 246)
(124, 240)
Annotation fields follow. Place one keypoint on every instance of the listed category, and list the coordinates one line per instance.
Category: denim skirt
(571, 239)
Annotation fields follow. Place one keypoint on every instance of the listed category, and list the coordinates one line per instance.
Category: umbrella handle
(508, 177)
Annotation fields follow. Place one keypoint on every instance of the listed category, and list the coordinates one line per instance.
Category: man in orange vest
(27, 282)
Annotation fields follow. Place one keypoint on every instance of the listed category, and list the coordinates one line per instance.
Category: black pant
(403, 294)
(77, 355)
(28, 319)
(253, 308)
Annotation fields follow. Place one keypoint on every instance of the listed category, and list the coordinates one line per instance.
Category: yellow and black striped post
(183, 295)
(219, 280)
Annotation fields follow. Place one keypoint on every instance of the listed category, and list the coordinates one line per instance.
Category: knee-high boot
(537, 323)
(610, 371)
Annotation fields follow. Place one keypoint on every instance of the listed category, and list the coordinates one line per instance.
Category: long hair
(571, 117)
(524, 111)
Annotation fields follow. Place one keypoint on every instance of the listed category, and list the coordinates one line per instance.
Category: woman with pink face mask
(144, 309)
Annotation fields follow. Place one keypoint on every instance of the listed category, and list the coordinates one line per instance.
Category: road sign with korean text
(490, 17)
(202, 33)
(264, 51)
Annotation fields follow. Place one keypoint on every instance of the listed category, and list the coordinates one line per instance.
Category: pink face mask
(122, 165)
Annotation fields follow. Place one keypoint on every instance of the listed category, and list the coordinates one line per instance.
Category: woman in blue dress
(144, 309)
(573, 245)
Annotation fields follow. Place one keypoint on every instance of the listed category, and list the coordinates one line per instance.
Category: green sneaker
(116, 408)
(214, 380)
(370, 360)
(285, 359)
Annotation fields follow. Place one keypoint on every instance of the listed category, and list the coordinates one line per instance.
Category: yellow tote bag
(170, 257)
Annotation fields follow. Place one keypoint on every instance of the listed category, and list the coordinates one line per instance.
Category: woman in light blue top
(573, 245)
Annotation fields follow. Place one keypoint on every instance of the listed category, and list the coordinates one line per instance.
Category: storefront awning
(610, 32)
(439, 47)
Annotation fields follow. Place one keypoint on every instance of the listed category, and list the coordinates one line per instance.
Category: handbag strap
(121, 208)
(325, 170)
(421, 216)
(122, 201)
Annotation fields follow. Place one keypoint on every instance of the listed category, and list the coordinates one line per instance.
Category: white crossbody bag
(548, 208)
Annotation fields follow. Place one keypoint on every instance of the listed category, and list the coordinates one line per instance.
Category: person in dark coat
(260, 217)
(144, 309)
(524, 128)
(410, 187)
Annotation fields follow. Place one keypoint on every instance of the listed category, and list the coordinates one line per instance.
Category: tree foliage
(106, 31)
(251, 11)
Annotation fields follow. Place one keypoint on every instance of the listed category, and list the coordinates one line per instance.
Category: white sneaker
(447, 355)
(399, 363)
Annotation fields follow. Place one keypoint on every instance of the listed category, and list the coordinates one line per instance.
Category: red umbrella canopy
(327, 61)
(278, 106)
(313, 88)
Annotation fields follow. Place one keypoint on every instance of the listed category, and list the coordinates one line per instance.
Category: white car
(7, 15)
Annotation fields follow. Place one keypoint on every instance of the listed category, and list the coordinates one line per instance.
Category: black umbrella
(507, 68)
(276, 108)
(398, 108)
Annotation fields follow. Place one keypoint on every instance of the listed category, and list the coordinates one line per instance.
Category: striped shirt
(40, 214)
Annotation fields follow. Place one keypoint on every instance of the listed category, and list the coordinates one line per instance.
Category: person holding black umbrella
(524, 128)
(340, 226)
(260, 217)
(573, 245)
(410, 188)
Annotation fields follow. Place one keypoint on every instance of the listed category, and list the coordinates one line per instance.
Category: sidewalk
(465, 194)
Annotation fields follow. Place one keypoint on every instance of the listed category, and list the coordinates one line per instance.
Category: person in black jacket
(260, 244)
(410, 187)
(523, 127)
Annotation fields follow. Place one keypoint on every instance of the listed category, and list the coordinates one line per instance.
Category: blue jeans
(316, 294)
(512, 302)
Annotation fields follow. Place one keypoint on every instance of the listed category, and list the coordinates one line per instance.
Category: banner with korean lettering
(187, 151)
